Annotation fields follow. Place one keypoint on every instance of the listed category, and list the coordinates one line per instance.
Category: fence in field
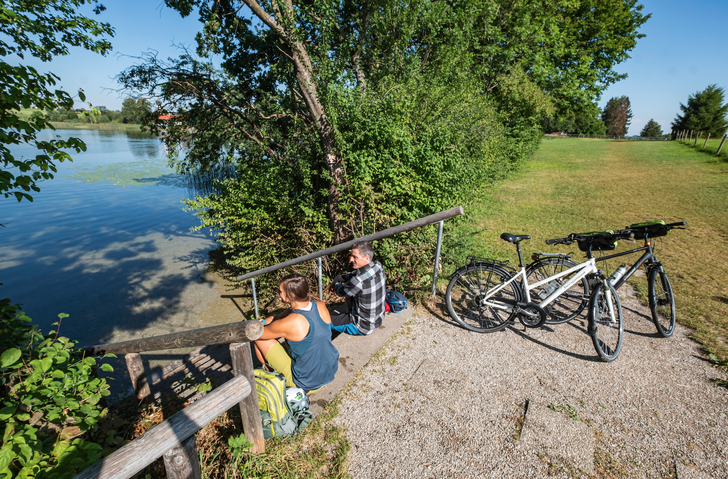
(686, 136)
(175, 437)
(606, 137)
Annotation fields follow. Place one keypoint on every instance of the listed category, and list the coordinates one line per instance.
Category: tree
(651, 130)
(704, 112)
(344, 118)
(133, 110)
(43, 29)
(568, 48)
(617, 116)
(581, 120)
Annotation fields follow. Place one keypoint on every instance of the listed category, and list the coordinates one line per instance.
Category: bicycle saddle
(515, 239)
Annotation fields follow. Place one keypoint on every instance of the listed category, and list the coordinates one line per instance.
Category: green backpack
(275, 413)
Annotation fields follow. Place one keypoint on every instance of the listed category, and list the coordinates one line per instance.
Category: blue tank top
(314, 359)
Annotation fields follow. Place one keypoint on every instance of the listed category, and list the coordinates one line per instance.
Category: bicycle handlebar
(621, 234)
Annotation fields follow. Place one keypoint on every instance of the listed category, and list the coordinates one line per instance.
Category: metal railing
(427, 220)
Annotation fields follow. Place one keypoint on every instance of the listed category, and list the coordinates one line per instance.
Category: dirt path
(440, 401)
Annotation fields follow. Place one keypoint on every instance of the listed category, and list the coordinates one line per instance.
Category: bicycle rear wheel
(662, 302)
(571, 303)
(606, 333)
(468, 288)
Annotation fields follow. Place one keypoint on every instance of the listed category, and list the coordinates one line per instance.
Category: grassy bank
(575, 185)
(72, 125)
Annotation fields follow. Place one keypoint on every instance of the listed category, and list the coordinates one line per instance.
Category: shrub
(50, 396)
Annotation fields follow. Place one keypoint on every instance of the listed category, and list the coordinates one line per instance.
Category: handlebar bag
(652, 228)
(600, 241)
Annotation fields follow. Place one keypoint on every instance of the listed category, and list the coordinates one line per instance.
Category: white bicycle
(486, 295)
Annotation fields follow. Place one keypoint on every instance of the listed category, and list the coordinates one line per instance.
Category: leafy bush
(50, 396)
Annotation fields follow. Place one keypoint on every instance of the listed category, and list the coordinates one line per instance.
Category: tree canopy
(704, 112)
(651, 130)
(43, 29)
(617, 116)
(343, 118)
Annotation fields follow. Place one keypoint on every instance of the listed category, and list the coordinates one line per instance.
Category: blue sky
(684, 52)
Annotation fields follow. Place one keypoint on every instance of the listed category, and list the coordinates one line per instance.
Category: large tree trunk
(307, 83)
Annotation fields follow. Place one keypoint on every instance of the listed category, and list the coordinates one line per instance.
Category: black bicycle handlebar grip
(554, 241)
(679, 223)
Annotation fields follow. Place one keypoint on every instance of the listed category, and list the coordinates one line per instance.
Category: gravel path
(440, 401)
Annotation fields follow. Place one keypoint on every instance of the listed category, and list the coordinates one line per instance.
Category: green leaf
(6, 412)
(45, 364)
(9, 356)
(62, 315)
(6, 457)
(107, 367)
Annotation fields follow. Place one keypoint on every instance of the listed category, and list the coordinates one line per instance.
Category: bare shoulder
(323, 311)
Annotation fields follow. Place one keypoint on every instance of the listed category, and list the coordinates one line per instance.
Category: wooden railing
(174, 438)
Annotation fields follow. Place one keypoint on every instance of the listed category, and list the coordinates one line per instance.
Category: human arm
(293, 327)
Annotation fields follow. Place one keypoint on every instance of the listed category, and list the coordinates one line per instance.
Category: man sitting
(365, 293)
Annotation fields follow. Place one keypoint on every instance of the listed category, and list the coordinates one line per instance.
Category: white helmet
(297, 399)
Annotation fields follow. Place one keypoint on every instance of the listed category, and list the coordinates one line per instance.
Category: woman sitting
(310, 360)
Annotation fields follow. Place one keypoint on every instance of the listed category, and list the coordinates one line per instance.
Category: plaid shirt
(367, 289)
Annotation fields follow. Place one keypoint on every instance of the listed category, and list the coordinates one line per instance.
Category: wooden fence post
(242, 361)
(182, 462)
(138, 376)
(696, 138)
(691, 136)
(721, 144)
(706, 140)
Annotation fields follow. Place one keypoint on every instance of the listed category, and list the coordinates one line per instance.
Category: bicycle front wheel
(571, 302)
(465, 298)
(662, 302)
(605, 324)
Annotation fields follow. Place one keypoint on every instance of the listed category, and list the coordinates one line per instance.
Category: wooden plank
(225, 334)
(181, 462)
(142, 451)
(436, 218)
(242, 362)
(138, 376)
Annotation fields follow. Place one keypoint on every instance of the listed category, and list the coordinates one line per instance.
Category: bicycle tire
(662, 302)
(605, 333)
(571, 303)
(464, 293)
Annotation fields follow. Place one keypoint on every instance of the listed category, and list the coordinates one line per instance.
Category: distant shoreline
(62, 125)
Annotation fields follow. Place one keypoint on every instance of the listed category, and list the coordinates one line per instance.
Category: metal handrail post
(437, 258)
(321, 281)
(255, 297)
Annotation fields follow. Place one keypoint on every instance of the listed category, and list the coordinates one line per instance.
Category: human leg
(277, 356)
(343, 324)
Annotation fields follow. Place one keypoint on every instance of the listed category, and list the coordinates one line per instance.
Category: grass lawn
(577, 185)
(711, 147)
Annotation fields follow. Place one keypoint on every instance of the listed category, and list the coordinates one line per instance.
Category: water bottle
(617, 275)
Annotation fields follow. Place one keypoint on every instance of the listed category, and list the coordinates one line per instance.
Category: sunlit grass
(576, 185)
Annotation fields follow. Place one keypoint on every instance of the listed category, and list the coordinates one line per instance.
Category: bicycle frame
(584, 269)
(648, 256)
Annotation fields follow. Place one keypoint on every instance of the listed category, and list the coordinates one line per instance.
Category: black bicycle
(660, 295)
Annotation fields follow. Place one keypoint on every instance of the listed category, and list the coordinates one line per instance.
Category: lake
(107, 242)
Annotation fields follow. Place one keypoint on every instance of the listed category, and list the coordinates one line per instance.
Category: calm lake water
(107, 242)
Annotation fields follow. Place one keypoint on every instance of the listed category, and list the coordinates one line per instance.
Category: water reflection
(121, 261)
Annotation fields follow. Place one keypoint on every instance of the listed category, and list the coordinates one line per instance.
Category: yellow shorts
(279, 358)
